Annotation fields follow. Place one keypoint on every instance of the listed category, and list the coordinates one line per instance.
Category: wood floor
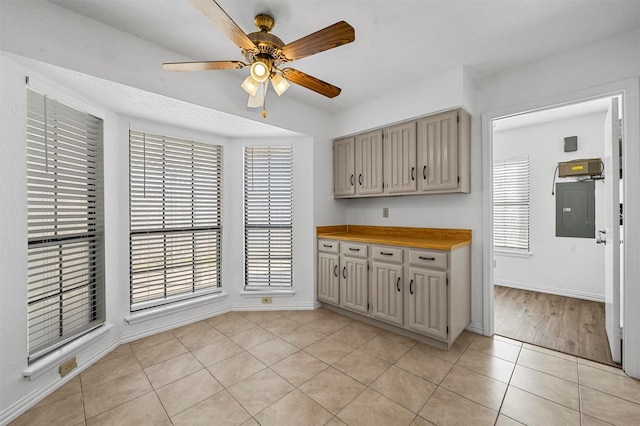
(565, 324)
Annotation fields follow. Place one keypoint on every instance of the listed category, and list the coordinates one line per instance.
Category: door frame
(629, 90)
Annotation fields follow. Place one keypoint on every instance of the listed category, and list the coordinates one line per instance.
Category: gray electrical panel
(576, 209)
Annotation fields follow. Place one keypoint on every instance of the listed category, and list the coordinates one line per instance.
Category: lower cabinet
(354, 278)
(427, 302)
(387, 284)
(427, 292)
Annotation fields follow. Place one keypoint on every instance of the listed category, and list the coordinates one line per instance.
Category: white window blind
(65, 285)
(175, 189)
(268, 217)
(511, 203)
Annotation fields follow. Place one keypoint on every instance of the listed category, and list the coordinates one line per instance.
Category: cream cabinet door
(329, 278)
(354, 285)
(344, 179)
(400, 158)
(369, 163)
(437, 141)
(386, 292)
(428, 302)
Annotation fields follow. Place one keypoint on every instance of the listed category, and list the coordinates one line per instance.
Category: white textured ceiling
(397, 41)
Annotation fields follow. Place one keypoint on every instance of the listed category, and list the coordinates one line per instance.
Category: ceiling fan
(266, 54)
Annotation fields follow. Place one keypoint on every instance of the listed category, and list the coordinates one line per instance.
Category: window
(511, 204)
(268, 219)
(65, 285)
(175, 219)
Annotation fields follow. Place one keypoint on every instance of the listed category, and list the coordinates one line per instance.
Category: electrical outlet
(266, 301)
(385, 212)
(68, 366)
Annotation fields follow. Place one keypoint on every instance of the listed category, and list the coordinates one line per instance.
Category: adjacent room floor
(565, 324)
(321, 368)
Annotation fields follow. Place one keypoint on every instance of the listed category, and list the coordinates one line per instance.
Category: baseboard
(551, 290)
(475, 328)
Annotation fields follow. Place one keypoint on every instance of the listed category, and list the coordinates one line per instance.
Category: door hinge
(447, 281)
(458, 118)
(458, 179)
(447, 330)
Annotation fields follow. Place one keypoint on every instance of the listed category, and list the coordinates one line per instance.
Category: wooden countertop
(428, 238)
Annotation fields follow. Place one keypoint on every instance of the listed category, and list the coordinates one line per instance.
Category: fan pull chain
(264, 98)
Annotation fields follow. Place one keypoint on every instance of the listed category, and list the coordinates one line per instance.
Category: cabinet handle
(344, 272)
(328, 245)
(424, 172)
(413, 173)
(398, 284)
(411, 287)
(351, 180)
(360, 179)
(335, 270)
(354, 249)
(386, 254)
(426, 258)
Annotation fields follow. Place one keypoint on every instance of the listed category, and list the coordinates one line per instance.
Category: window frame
(166, 168)
(65, 200)
(278, 215)
(513, 239)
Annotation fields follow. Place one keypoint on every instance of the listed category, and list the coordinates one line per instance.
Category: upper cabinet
(430, 155)
(369, 163)
(344, 167)
(400, 158)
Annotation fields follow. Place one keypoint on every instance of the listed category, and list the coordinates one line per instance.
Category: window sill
(65, 352)
(160, 311)
(261, 293)
(508, 253)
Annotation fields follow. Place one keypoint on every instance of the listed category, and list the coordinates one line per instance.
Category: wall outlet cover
(267, 301)
(385, 212)
(68, 366)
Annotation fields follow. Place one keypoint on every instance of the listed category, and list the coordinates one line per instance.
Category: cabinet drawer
(387, 254)
(431, 259)
(354, 249)
(328, 246)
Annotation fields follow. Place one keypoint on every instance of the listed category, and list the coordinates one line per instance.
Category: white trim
(552, 290)
(36, 369)
(260, 293)
(298, 307)
(160, 311)
(474, 327)
(512, 253)
(630, 90)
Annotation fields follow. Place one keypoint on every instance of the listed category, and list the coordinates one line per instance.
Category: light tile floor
(321, 368)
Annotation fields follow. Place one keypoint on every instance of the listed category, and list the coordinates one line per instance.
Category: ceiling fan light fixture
(280, 84)
(260, 71)
(250, 85)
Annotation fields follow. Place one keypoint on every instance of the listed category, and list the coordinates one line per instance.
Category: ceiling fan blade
(327, 38)
(203, 66)
(311, 83)
(220, 19)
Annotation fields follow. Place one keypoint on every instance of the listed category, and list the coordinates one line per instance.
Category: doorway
(554, 289)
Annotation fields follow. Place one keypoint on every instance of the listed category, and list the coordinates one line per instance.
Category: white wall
(571, 267)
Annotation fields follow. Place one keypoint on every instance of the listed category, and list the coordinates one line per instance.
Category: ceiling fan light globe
(280, 84)
(259, 71)
(250, 85)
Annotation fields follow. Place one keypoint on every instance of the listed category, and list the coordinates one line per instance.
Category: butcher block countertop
(426, 238)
